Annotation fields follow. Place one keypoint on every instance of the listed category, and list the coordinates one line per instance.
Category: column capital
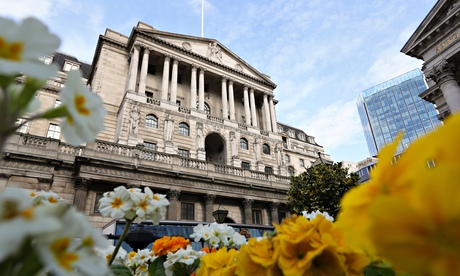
(168, 56)
(441, 72)
(147, 50)
(274, 206)
(82, 183)
(202, 68)
(209, 198)
(194, 66)
(174, 194)
(176, 59)
(224, 77)
(231, 80)
(247, 202)
(137, 46)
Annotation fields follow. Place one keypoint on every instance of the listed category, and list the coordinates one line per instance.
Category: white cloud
(20, 9)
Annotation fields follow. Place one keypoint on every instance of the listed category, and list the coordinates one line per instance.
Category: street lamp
(139, 237)
(220, 214)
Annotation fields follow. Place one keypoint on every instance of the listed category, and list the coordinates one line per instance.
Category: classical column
(267, 113)
(201, 90)
(444, 75)
(209, 202)
(193, 88)
(247, 205)
(174, 81)
(132, 78)
(247, 114)
(273, 115)
(173, 208)
(143, 76)
(253, 107)
(165, 82)
(231, 100)
(224, 98)
(81, 193)
(274, 212)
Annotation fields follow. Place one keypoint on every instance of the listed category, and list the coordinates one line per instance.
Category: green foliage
(321, 188)
(157, 268)
(120, 270)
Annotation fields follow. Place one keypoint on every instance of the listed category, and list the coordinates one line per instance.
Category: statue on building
(134, 120)
(199, 136)
(214, 52)
(257, 148)
(279, 155)
(169, 127)
(233, 144)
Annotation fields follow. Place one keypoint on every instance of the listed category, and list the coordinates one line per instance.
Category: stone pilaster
(133, 65)
(247, 205)
(143, 76)
(274, 211)
(209, 203)
(273, 115)
(81, 193)
(173, 208)
(444, 75)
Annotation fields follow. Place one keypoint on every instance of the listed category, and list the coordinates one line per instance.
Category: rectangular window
(96, 202)
(183, 153)
(150, 146)
(177, 102)
(187, 211)
(24, 127)
(151, 69)
(301, 163)
(245, 165)
(257, 216)
(57, 103)
(269, 170)
(54, 131)
(149, 94)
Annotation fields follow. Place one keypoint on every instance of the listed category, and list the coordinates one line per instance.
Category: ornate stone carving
(274, 206)
(173, 194)
(214, 52)
(238, 67)
(209, 198)
(187, 46)
(199, 136)
(247, 203)
(82, 183)
(441, 72)
(134, 120)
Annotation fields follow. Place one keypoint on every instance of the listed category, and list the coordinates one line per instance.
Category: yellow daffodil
(85, 111)
(21, 44)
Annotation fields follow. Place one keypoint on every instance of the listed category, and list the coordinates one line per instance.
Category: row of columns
(82, 187)
(228, 98)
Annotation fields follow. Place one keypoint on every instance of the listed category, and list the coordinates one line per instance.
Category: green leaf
(120, 270)
(28, 92)
(58, 112)
(157, 268)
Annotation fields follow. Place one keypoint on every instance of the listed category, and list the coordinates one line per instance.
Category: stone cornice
(162, 42)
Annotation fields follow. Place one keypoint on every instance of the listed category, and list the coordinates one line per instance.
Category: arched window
(244, 143)
(184, 129)
(266, 149)
(287, 159)
(151, 121)
(207, 109)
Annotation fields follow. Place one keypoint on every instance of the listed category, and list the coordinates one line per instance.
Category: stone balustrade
(57, 150)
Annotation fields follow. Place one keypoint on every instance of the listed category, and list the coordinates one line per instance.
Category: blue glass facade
(394, 106)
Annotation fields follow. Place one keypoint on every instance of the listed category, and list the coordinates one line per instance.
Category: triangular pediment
(210, 49)
(441, 13)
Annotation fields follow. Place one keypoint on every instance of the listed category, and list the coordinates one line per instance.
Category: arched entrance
(214, 146)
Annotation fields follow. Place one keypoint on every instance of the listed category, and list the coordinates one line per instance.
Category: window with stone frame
(187, 211)
(257, 216)
(150, 146)
(246, 165)
(244, 143)
(183, 153)
(301, 163)
(54, 131)
(269, 170)
(151, 121)
(287, 159)
(96, 202)
(184, 129)
(266, 149)
(24, 128)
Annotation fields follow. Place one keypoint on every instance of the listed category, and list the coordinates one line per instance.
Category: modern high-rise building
(394, 106)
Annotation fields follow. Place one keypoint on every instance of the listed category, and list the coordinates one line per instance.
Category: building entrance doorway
(214, 146)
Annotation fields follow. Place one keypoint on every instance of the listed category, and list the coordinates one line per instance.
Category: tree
(320, 187)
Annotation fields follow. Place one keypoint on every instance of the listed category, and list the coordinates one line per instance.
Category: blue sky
(321, 54)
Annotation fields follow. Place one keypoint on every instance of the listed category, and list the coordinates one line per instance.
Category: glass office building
(394, 106)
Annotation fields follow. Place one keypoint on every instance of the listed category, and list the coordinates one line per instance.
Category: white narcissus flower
(85, 108)
(106, 253)
(46, 198)
(142, 256)
(186, 256)
(115, 204)
(238, 239)
(21, 44)
(70, 251)
(19, 220)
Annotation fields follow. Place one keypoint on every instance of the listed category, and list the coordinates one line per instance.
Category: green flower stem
(120, 240)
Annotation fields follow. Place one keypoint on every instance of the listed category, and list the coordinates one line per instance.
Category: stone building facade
(185, 117)
(436, 41)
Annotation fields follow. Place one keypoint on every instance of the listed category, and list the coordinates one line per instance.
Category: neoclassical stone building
(186, 117)
(436, 42)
